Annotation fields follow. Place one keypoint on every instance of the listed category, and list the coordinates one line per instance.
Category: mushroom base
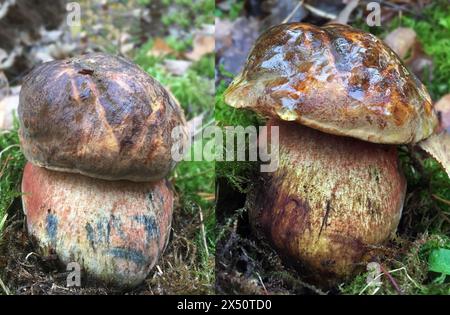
(115, 231)
(331, 202)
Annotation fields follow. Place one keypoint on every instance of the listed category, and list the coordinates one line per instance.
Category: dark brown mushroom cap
(98, 115)
(336, 79)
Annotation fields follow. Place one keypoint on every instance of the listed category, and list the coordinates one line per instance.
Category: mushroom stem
(115, 230)
(330, 200)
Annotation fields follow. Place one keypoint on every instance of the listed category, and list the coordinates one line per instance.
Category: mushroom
(100, 116)
(97, 131)
(338, 191)
(115, 230)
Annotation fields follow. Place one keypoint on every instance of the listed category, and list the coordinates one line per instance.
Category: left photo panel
(105, 187)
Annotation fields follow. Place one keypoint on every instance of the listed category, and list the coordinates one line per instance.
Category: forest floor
(248, 265)
(173, 42)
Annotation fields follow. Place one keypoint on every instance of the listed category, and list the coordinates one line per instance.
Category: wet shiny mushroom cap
(98, 115)
(336, 79)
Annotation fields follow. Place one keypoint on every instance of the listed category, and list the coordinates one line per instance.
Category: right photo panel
(332, 147)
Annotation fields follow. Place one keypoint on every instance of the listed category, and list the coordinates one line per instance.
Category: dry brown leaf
(243, 34)
(344, 15)
(204, 43)
(8, 106)
(443, 108)
(177, 67)
(438, 146)
(159, 48)
(401, 40)
(420, 63)
(223, 34)
(4, 85)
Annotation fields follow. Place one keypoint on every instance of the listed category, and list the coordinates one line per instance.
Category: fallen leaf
(4, 85)
(420, 63)
(344, 16)
(8, 106)
(439, 261)
(443, 108)
(243, 33)
(223, 32)
(438, 146)
(204, 43)
(160, 48)
(3, 55)
(401, 40)
(177, 67)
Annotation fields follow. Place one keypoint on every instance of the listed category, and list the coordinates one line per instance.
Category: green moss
(194, 182)
(179, 44)
(236, 7)
(12, 162)
(428, 188)
(409, 271)
(237, 173)
(186, 12)
(433, 32)
(205, 66)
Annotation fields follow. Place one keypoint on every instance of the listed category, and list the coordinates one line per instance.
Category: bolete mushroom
(97, 130)
(115, 230)
(338, 191)
(98, 115)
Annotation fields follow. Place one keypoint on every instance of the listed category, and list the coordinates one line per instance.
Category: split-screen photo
(228, 147)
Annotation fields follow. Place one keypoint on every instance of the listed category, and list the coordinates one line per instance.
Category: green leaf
(439, 261)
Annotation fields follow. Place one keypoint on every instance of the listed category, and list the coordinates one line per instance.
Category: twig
(344, 16)
(4, 7)
(447, 202)
(7, 148)
(31, 254)
(5, 164)
(4, 287)
(4, 132)
(2, 222)
(287, 19)
(397, 7)
(392, 271)
(262, 283)
(391, 279)
(319, 12)
(202, 227)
